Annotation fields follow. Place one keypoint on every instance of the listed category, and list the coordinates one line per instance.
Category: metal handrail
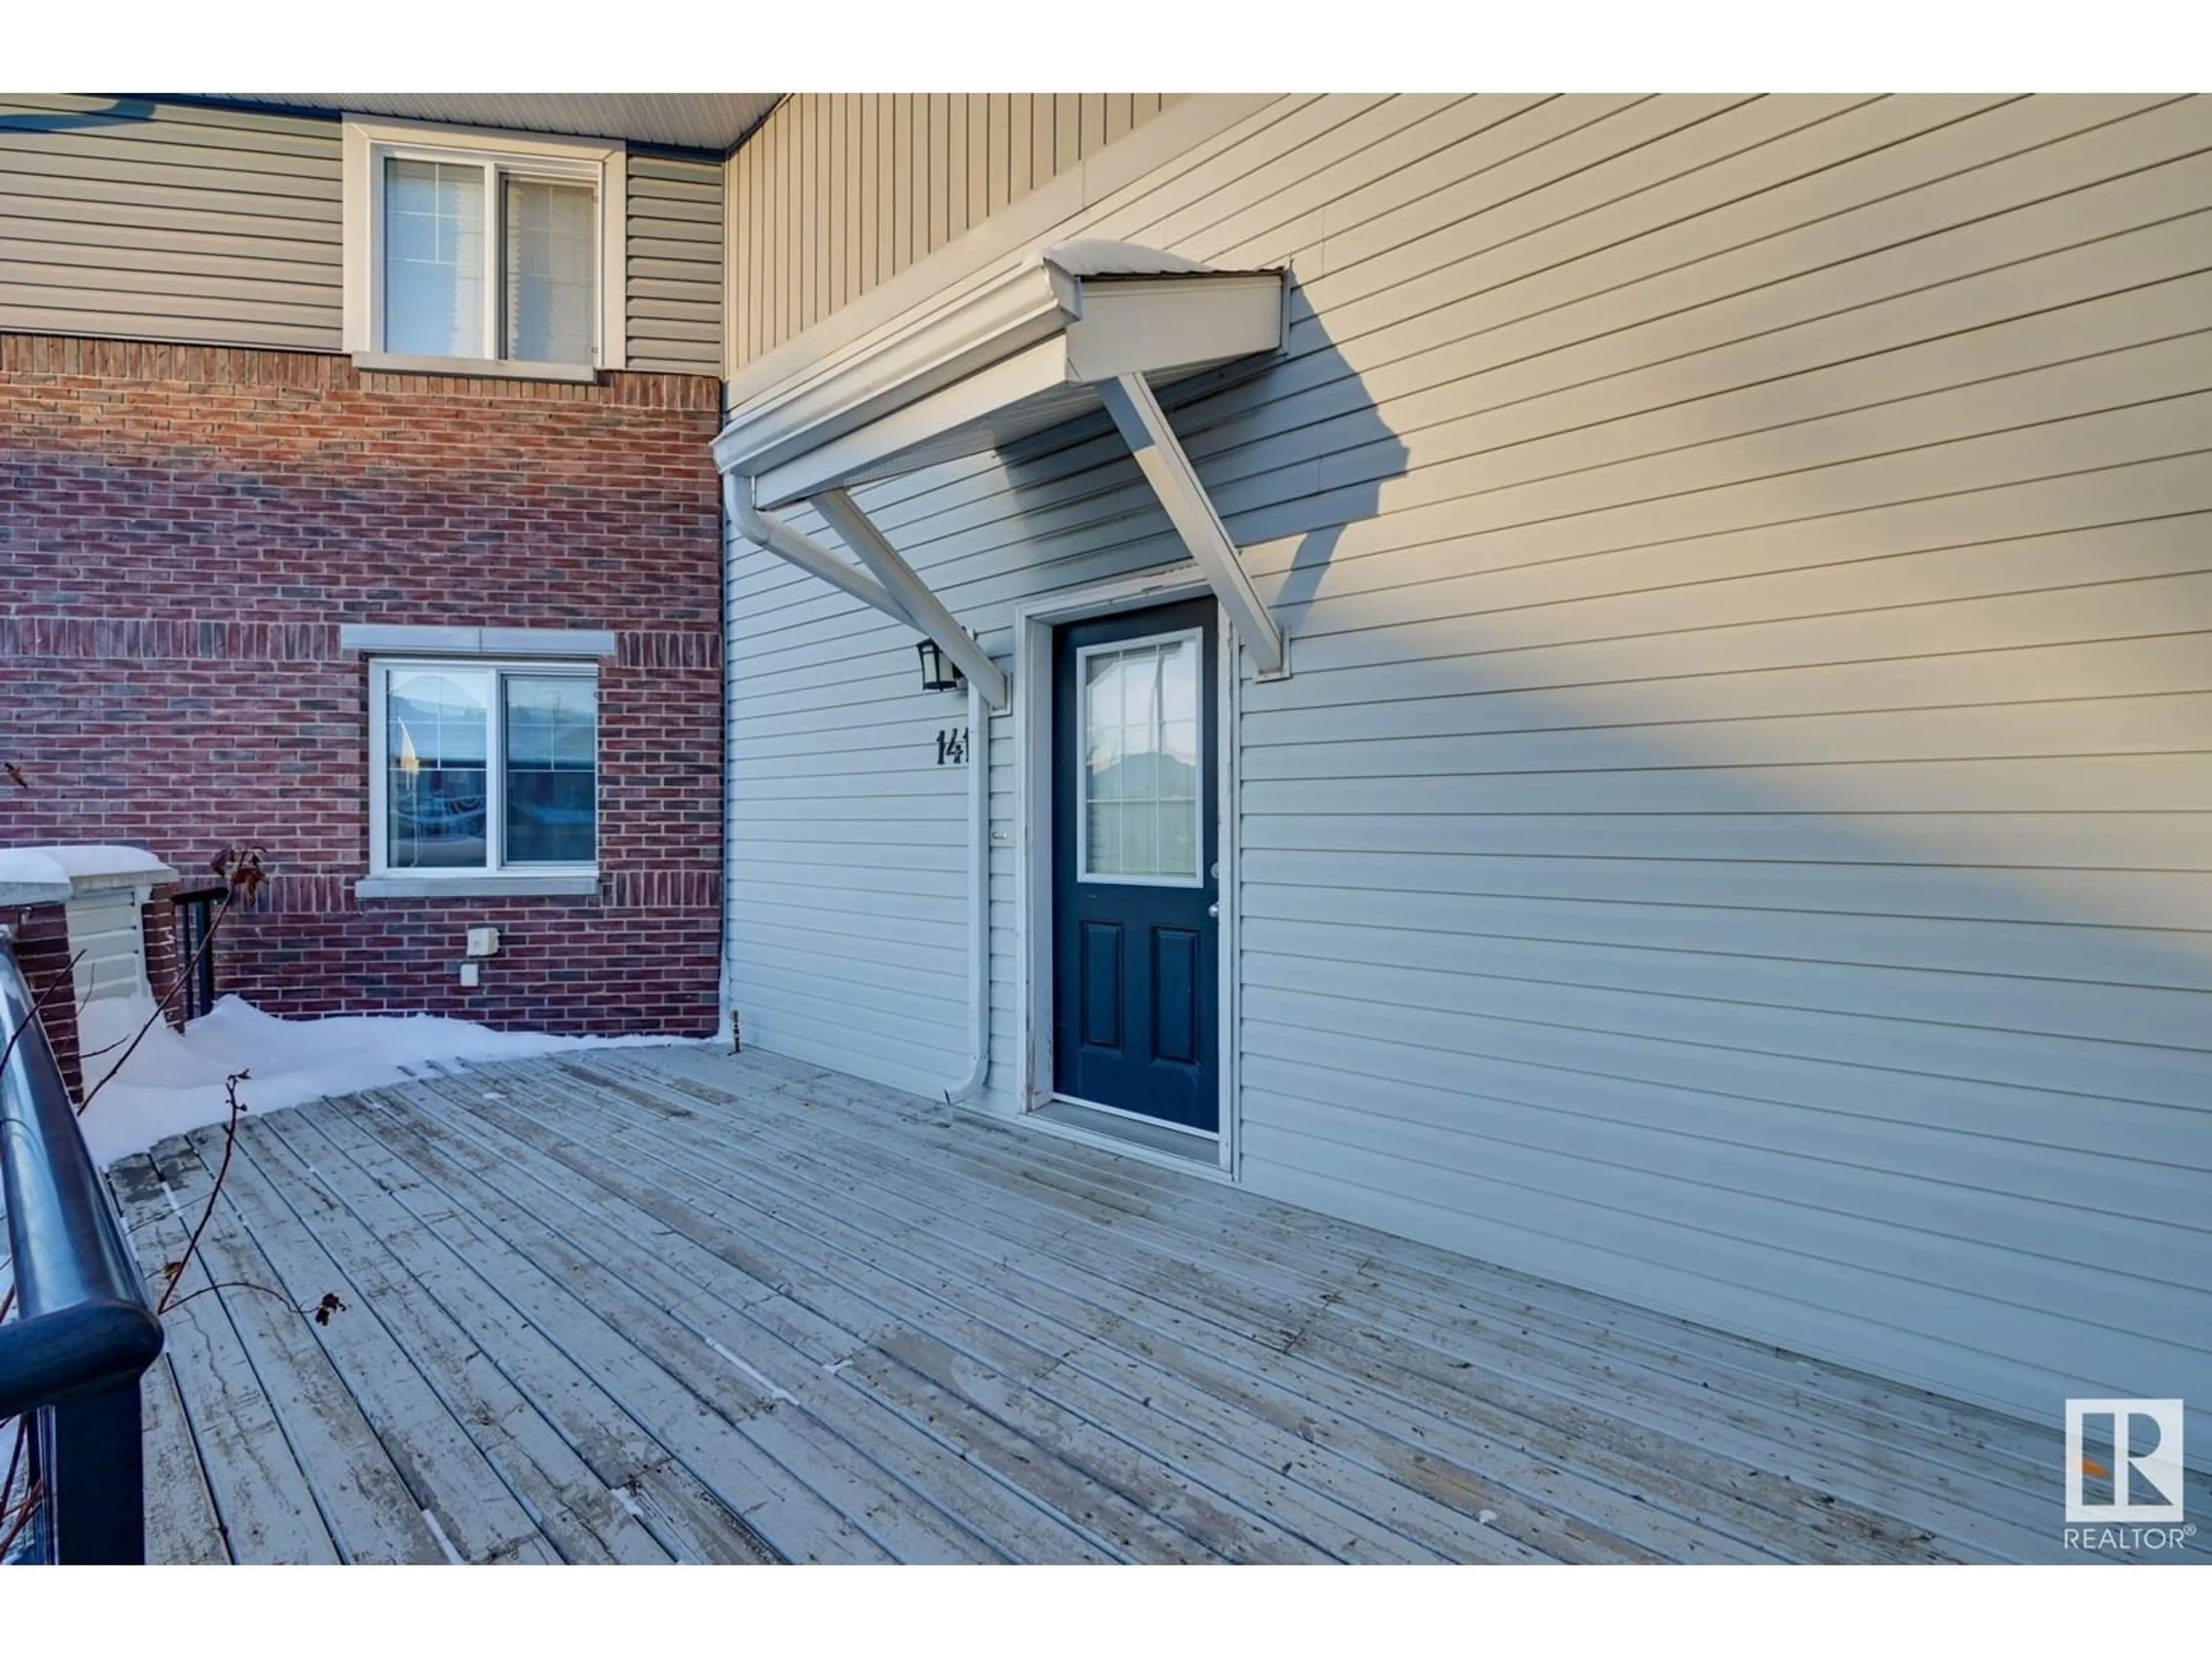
(83, 1334)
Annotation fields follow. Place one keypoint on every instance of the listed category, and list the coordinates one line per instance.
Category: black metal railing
(195, 914)
(83, 1334)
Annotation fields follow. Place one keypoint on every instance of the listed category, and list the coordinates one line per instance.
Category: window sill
(476, 886)
(483, 368)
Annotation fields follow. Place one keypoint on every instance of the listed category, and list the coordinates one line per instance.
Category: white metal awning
(1080, 326)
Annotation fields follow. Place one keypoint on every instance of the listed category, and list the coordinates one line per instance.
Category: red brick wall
(184, 529)
(40, 934)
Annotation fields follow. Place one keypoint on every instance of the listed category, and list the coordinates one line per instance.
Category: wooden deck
(655, 1304)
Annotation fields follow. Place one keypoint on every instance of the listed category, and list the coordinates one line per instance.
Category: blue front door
(1136, 841)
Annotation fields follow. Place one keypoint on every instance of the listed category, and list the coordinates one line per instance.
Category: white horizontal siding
(1736, 835)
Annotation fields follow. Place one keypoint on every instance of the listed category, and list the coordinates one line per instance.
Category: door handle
(1214, 910)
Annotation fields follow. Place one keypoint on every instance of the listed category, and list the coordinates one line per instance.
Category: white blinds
(548, 259)
(433, 258)
(437, 298)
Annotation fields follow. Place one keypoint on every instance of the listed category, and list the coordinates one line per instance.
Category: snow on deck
(168, 1082)
(645, 1304)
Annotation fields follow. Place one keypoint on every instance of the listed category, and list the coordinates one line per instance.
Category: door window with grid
(1142, 755)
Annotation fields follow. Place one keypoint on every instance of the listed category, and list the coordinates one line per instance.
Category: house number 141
(952, 747)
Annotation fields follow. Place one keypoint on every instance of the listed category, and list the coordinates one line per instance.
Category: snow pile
(59, 864)
(31, 866)
(173, 1081)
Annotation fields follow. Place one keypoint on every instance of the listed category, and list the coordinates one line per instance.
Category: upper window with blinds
(482, 249)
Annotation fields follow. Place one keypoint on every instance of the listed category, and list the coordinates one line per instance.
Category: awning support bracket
(892, 588)
(1160, 456)
(795, 546)
(923, 608)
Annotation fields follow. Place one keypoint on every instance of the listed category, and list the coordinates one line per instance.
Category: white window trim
(1196, 637)
(366, 144)
(383, 880)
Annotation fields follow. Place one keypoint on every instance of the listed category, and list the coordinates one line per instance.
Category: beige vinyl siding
(673, 285)
(131, 219)
(838, 192)
(138, 220)
(1739, 834)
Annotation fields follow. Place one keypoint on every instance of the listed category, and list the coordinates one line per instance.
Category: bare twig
(15, 1457)
(215, 1193)
(174, 1271)
(25, 1512)
(320, 1312)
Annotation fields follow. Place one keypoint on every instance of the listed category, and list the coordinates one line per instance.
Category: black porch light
(938, 671)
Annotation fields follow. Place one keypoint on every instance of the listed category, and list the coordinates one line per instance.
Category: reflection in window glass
(552, 735)
(1141, 796)
(434, 728)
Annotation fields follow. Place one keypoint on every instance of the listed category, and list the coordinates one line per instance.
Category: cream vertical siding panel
(1043, 163)
(959, 170)
(1066, 128)
(1736, 836)
(972, 157)
(938, 177)
(1021, 146)
(673, 286)
(905, 155)
(134, 219)
(873, 183)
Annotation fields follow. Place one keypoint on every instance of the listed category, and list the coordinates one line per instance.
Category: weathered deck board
(687, 1348)
(556, 1414)
(179, 1509)
(522, 1317)
(700, 1169)
(1006, 1391)
(460, 1428)
(1123, 1526)
(1980, 1479)
(253, 1471)
(1561, 1511)
(600, 1308)
(791, 1341)
(358, 1484)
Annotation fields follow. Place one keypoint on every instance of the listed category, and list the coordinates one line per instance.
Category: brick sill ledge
(473, 368)
(476, 887)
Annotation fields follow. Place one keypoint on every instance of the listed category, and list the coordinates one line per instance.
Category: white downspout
(979, 899)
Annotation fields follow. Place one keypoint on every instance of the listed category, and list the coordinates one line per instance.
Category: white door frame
(1034, 622)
